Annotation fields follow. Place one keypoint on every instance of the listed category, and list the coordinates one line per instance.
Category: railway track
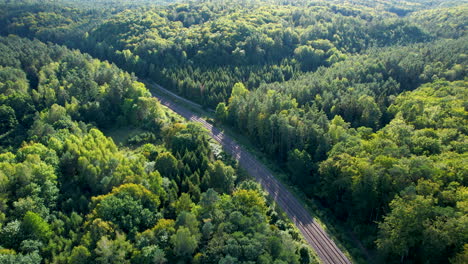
(318, 239)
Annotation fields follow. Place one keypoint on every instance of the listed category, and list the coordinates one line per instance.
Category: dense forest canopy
(71, 195)
(202, 49)
(363, 103)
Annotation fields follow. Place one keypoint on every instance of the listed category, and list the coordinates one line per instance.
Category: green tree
(7, 119)
(300, 165)
(11, 234)
(118, 250)
(130, 206)
(184, 203)
(220, 177)
(166, 164)
(305, 255)
(188, 220)
(371, 113)
(31, 258)
(79, 255)
(35, 227)
(184, 243)
(309, 57)
(238, 90)
(151, 255)
(221, 112)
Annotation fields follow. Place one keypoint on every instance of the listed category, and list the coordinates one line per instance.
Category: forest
(363, 104)
(70, 194)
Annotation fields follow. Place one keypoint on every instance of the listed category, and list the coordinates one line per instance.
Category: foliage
(69, 194)
(201, 49)
(409, 176)
(363, 102)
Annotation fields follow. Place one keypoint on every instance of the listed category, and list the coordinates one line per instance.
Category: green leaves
(409, 175)
(166, 164)
(152, 255)
(7, 119)
(399, 175)
(435, 105)
(420, 222)
(221, 112)
(300, 166)
(184, 243)
(79, 255)
(118, 250)
(220, 177)
(35, 227)
(80, 198)
(131, 207)
(238, 90)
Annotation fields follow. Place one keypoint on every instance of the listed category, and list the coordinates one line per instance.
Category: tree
(152, 255)
(371, 113)
(228, 260)
(461, 257)
(184, 203)
(188, 220)
(162, 232)
(338, 129)
(130, 206)
(184, 243)
(220, 177)
(118, 250)
(35, 227)
(249, 202)
(79, 255)
(221, 112)
(31, 258)
(309, 57)
(300, 165)
(238, 90)
(11, 234)
(166, 164)
(418, 222)
(304, 255)
(79, 197)
(7, 119)
(208, 202)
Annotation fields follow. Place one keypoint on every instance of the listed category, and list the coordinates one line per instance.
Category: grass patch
(122, 134)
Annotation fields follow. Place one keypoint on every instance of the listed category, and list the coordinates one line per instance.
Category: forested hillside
(201, 50)
(350, 142)
(69, 194)
(362, 103)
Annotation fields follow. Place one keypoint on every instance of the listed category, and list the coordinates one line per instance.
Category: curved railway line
(326, 249)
